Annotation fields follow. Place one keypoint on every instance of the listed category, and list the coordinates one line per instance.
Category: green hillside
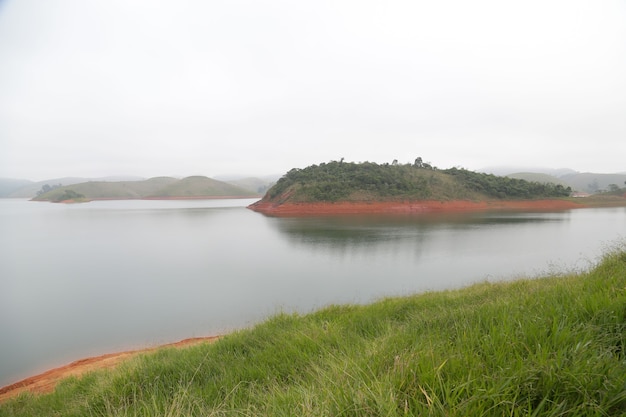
(32, 189)
(579, 181)
(198, 186)
(593, 183)
(158, 187)
(368, 181)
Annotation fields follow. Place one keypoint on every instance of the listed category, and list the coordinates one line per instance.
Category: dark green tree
(47, 188)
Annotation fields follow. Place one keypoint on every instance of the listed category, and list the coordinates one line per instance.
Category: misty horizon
(149, 88)
(493, 169)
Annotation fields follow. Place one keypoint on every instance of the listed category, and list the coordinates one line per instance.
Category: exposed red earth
(406, 207)
(47, 381)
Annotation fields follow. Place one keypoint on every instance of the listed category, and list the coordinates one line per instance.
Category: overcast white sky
(151, 87)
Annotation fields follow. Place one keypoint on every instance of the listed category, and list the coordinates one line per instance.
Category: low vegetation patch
(68, 195)
(550, 346)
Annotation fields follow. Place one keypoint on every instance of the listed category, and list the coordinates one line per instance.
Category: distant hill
(19, 188)
(579, 181)
(158, 187)
(199, 186)
(29, 189)
(505, 171)
(253, 184)
(538, 177)
(343, 181)
(10, 185)
(593, 183)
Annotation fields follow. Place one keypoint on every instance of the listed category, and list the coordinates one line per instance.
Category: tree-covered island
(338, 182)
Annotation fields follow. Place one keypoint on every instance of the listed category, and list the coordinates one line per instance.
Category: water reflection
(390, 255)
(370, 232)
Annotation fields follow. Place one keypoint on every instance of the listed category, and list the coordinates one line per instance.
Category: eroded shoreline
(407, 207)
(46, 382)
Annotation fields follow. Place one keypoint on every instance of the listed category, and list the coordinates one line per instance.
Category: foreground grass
(552, 346)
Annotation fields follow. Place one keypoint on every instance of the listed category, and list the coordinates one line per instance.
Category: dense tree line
(505, 187)
(48, 187)
(67, 195)
(339, 180)
(335, 181)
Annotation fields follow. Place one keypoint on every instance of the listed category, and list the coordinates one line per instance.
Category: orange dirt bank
(47, 381)
(405, 207)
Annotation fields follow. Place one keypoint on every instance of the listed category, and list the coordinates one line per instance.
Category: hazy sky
(150, 87)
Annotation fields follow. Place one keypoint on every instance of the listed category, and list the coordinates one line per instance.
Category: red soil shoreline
(47, 381)
(406, 207)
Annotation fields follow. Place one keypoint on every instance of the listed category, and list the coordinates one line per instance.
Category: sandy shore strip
(47, 381)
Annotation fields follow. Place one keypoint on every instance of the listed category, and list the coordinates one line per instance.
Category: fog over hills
(153, 188)
(136, 187)
(21, 188)
(506, 170)
(579, 181)
(588, 182)
(592, 183)
(10, 185)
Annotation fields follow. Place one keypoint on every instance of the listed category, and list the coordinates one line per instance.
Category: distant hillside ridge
(367, 181)
(10, 185)
(258, 185)
(538, 177)
(579, 181)
(200, 186)
(154, 188)
(594, 183)
(29, 189)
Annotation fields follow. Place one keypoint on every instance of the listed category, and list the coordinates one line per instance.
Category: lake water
(86, 279)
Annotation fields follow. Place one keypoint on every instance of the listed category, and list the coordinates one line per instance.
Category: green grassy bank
(550, 346)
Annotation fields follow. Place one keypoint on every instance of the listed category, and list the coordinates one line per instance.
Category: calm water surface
(86, 279)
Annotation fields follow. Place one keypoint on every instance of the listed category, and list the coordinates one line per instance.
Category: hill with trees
(347, 181)
(154, 188)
